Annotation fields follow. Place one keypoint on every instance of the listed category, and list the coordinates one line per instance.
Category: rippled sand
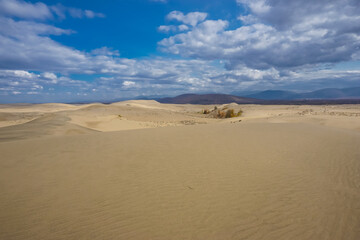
(280, 173)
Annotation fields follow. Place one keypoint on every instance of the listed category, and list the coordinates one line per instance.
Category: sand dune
(43, 126)
(283, 172)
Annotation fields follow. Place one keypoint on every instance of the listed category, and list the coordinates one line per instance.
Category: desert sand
(145, 170)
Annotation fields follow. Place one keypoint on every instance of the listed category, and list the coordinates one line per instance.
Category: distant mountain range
(327, 93)
(323, 96)
(206, 99)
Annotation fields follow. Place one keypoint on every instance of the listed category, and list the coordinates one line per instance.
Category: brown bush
(229, 113)
(206, 111)
(221, 114)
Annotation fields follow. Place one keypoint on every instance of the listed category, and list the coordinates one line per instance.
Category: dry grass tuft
(206, 111)
(225, 112)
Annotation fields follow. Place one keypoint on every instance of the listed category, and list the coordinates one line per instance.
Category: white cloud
(189, 20)
(91, 14)
(167, 28)
(273, 37)
(248, 19)
(173, 28)
(128, 83)
(192, 18)
(41, 11)
(183, 27)
(22, 9)
(76, 12)
(49, 75)
(263, 53)
(105, 51)
(20, 73)
(204, 38)
(21, 81)
(256, 6)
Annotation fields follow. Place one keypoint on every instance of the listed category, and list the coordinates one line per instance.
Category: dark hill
(332, 93)
(207, 99)
(274, 95)
(323, 94)
(223, 99)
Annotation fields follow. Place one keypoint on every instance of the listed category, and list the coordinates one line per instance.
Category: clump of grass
(224, 112)
(206, 111)
(119, 116)
(230, 113)
(220, 114)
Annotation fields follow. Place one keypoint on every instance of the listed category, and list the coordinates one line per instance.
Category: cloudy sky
(74, 50)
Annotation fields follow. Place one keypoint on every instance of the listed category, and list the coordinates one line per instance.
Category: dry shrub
(206, 111)
(221, 114)
(230, 113)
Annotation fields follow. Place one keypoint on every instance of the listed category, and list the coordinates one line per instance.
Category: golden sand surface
(145, 170)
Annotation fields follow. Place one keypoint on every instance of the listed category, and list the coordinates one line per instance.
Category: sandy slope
(283, 172)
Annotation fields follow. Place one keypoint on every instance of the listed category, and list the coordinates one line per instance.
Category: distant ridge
(276, 97)
(327, 93)
(207, 99)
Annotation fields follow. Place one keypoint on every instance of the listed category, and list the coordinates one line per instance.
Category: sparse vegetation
(229, 113)
(239, 113)
(206, 111)
(224, 112)
(220, 114)
(119, 116)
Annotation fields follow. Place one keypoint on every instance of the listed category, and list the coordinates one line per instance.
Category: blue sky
(71, 51)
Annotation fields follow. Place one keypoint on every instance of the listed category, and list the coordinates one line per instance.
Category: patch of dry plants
(222, 113)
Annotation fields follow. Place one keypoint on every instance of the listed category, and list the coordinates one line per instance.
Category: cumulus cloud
(105, 51)
(22, 9)
(277, 33)
(128, 83)
(21, 81)
(200, 42)
(188, 21)
(284, 14)
(257, 6)
(26, 45)
(49, 75)
(272, 49)
(40, 11)
(167, 28)
(192, 18)
(76, 12)
(173, 28)
(130, 78)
